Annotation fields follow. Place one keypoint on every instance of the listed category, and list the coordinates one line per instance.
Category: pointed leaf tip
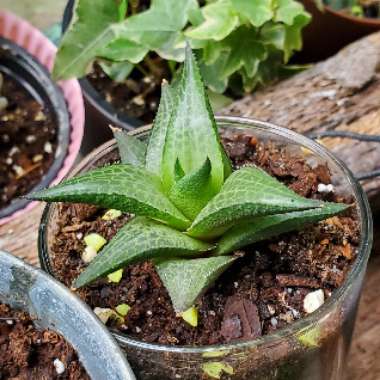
(192, 192)
(248, 192)
(139, 240)
(131, 149)
(186, 280)
(265, 227)
(122, 187)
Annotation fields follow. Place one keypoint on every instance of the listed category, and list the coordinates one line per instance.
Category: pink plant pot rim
(43, 50)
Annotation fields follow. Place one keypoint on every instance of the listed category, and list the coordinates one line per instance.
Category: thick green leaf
(248, 192)
(122, 187)
(220, 19)
(156, 145)
(192, 135)
(264, 227)
(257, 12)
(186, 280)
(117, 71)
(139, 240)
(131, 149)
(192, 192)
(91, 28)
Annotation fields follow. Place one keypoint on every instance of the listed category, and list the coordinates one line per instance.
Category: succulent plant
(192, 211)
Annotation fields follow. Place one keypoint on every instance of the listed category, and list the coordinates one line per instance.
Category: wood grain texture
(19, 236)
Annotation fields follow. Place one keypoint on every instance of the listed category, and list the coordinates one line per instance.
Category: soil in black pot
(261, 293)
(28, 353)
(138, 96)
(28, 140)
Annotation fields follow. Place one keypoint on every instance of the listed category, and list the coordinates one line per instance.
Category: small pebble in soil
(48, 147)
(59, 366)
(313, 301)
(88, 254)
(322, 188)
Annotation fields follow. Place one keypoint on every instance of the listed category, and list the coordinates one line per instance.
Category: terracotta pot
(329, 31)
(31, 55)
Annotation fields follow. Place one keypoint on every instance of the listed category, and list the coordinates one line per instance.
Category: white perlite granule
(313, 301)
(59, 366)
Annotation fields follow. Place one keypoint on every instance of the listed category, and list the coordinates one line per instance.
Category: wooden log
(340, 94)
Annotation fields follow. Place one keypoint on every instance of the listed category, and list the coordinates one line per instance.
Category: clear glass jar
(313, 348)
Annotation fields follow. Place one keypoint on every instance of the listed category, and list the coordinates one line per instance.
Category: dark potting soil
(138, 96)
(261, 293)
(28, 140)
(27, 353)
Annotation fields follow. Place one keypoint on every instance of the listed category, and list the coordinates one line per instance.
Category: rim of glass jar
(364, 248)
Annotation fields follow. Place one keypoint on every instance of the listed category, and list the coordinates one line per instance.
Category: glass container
(312, 348)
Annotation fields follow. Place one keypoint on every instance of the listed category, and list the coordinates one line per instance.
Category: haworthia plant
(191, 212)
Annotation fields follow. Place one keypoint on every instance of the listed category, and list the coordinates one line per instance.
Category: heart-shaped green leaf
(248, 192)
(192, 192)
(186, 280)
(257, 12)
(264, 227)
(91, 28)
(131, 149)
(139, 240)
(122, 187)
(192, 134)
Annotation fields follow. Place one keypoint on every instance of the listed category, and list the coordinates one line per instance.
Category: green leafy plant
(191, 210)
(237, 41)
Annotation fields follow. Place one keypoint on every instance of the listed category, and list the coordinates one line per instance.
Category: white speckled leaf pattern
(131, 149)
(155, 151)
(264, 227)
(139, 240)
(122, 187)
(192, 134)
(248, 192)
(186, 280)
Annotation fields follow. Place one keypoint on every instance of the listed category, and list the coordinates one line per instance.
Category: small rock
(88, 254)
(37, 158)
(48, 148)
(322, 188)
(313, 301)
(274, 321)
(59, 366)
(30, 139)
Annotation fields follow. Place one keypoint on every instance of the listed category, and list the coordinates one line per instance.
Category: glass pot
(312, 348)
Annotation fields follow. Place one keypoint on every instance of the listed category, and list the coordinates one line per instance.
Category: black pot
(18, 64)
(99, 113)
